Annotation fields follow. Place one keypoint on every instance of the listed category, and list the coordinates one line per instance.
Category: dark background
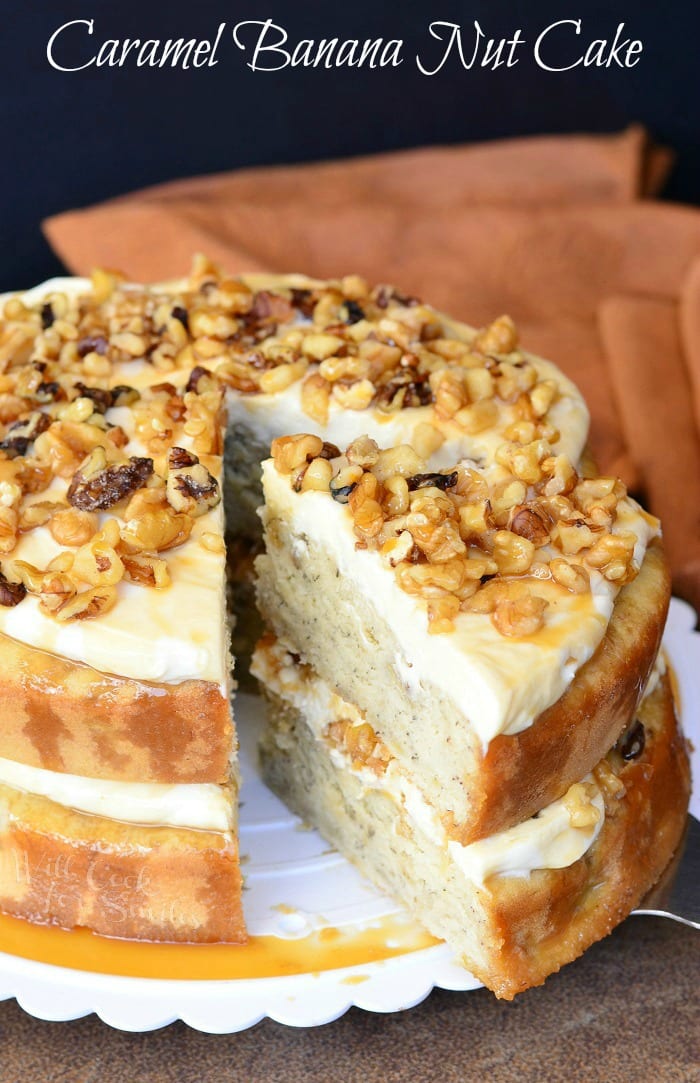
(73, 139)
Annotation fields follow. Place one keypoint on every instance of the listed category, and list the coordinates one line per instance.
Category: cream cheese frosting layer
(167, 636)
(500, 684)
(171, 635)
(548, 840)
(199, 806)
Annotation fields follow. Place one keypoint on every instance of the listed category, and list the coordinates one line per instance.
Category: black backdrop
(72, 139)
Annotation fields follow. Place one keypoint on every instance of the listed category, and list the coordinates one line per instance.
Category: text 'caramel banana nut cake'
(461, 651)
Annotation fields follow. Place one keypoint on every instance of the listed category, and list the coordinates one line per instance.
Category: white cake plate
(296, 887)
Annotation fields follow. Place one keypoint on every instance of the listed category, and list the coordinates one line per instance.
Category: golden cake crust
(564, 911)
(64, 716)
(524, 772)
(513, 931)
(61, 867)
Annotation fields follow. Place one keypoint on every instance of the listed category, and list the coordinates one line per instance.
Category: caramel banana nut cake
(461, 653)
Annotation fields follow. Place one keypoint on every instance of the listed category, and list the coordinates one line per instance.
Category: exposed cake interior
(452, 607)
(518, 904)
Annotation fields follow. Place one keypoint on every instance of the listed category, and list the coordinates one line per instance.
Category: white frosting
(500, 684)
(281, 414)
(546, 841)
(168, 635)
(171, 635)
(201, 806)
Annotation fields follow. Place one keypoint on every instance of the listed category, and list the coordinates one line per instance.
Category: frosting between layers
(201, 806)
(546, 841)
(500, 684)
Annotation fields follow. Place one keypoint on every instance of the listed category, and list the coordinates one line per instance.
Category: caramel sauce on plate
(261, 957)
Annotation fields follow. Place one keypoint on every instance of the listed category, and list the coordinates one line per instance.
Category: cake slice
(494, 636)
(519, 904)
(454, 665)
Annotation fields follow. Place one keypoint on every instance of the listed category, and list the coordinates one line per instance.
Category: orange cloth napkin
(557, 231)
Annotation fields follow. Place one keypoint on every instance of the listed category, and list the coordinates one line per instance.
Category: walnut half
(97, 486)
(190, 487)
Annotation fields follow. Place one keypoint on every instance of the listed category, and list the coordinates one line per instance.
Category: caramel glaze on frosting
(339, 358)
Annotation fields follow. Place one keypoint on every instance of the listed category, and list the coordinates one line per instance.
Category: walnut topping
(190, 487)
(500, 337)
(22, 434)
(97, 486)
(11, 594)
(470, 540)
(346, 346)
(578, 802)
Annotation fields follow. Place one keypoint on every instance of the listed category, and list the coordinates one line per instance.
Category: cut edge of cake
(510, 918)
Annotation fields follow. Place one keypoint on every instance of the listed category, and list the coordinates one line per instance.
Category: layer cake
(485, 607)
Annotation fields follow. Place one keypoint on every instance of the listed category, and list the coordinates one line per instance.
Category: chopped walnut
(156, 531)
(190, 488)
(22, 434)
(579, 804)
(87, 605)
(11, 594)
(519, 616)
(498, 338)
(531, 522)
(98, 486)
(146, 570)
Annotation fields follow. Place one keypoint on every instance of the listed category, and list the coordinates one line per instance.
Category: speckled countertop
(627, 1011)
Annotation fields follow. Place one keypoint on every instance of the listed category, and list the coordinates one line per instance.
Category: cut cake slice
(454, 666)
(519, 904)
(474, 652)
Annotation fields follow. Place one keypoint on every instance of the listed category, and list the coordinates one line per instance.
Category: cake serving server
(677, 895)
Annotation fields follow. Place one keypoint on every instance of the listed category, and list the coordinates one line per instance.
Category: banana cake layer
(520, 903)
